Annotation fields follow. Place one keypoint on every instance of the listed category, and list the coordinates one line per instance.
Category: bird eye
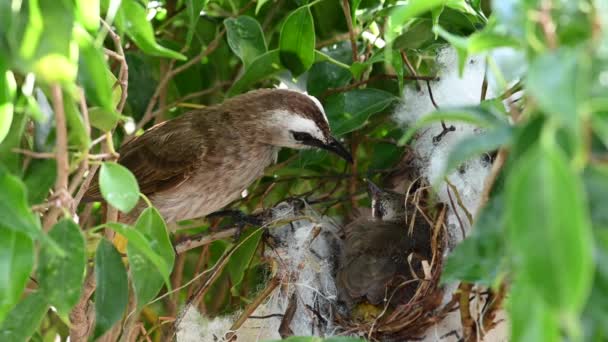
(302, 136)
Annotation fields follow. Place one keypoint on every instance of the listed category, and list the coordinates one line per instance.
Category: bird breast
(220, 179)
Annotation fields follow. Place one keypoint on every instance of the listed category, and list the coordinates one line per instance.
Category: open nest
(407, 315)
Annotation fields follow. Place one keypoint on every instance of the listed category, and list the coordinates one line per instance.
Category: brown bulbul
(198, 163)
(373, 262)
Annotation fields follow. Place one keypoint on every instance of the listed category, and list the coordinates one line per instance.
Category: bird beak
(374, 190)
(337, 148)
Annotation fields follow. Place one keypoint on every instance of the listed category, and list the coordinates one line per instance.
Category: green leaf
(479, 258)
(477, 144)
(349, 111)
(297, 41)
(131, 18)
(241, 259)
(8, 88)
(39, 179)
(15, 213)
(87, 13)
(559, 82)
(245, 38)
(67, 270)
(259, 5)
(17, 255)
(25, 318)
(93, 71)
(118, 186)
(194, 8)
(531, 318)
(77, 134)
(545, 206)
(112, 291)
(103, 119)
(147, 278)
(262, 67)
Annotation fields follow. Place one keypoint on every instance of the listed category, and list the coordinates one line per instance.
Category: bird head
(386, 205)
(296, 120)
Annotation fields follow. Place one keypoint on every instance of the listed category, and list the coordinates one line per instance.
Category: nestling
(378, 253)
(198, 163)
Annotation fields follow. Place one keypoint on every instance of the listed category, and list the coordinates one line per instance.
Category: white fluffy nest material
(310, 250)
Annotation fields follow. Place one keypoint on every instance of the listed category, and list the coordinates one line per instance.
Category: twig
(81, 317)
(190, 96)
(201, 240)
(123, 74)
(165, 80)
(61, 194)
(351, 32)
(467, 321)
(354, 85)
(547, 24)
(36, 155)
(410, 67)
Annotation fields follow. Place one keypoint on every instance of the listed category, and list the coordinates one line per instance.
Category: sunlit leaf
(531, 318)
(103, 119)
(7, 96)
(17, 255)
(131, 18)
(297, 41)
(546, 206)
(112, 291)
(118, 186)
(67, 270)
(245, 38)
(25, 318)
(87, 13)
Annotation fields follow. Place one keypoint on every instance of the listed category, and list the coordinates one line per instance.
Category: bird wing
(163, 157)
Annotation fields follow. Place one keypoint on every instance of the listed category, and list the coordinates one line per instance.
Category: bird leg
(240, 219)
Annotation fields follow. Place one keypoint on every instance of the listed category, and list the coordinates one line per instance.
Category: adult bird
(200, 162)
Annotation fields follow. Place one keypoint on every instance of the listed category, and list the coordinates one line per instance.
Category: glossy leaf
(262, 67)
(545, 205)
(147, 278)
(131, 18)
(297, 41)
(103, 119)
(245, 38)
(194, 8)
(112, 290)
(67, 269)
(17, 255)
(7, 96)
(351, 110)
(25, 318)
(118, 186)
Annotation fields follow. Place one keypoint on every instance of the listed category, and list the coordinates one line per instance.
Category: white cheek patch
(296, 123)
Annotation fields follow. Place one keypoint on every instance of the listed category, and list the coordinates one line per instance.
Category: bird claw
(241, 220)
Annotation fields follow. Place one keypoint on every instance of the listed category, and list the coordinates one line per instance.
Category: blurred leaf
(77, 134)
(245, 38)
(545, 205)
(25, 318)
(17, 255)
(87, 13)
(596, 186)
(118, 186)
(558, 81)
(103, 119)
(477, 144)
(147, 278)
(262, 67)
(595, 315)
(240, 260)
(131, 18)
(93, 71)
(8, 158)
(297, 41)
(479, 257)
(112, 291)
(67, 270)
(8, 88)
(39, 179)
(15, 213)
(194, 8)
(531, 318)
(416, 34)
(349, 111)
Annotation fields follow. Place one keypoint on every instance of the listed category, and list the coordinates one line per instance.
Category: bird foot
(241, 220)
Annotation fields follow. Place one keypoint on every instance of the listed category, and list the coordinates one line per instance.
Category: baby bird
(198, 163)
(374, 260)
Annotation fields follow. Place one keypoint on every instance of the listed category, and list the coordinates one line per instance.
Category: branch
(351, 32)
(355, 85)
